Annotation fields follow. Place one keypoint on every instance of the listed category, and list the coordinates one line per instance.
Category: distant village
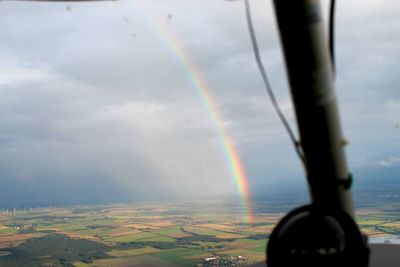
(225, 261)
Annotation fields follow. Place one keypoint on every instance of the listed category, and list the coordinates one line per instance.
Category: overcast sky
(96, 106)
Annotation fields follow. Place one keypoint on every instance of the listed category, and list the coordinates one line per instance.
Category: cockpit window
(140, 132)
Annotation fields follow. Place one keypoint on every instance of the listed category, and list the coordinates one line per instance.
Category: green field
(7, 230)
(203, 231)
(133, 252)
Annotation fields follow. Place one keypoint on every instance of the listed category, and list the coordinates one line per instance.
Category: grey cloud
(96, 99)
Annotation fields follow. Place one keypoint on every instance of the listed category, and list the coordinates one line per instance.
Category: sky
(97, 106)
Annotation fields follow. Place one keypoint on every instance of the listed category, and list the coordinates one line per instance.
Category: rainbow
(204, 91)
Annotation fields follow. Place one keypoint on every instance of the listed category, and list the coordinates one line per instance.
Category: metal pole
(312, 86)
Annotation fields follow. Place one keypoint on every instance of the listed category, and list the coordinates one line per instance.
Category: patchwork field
(162, 234)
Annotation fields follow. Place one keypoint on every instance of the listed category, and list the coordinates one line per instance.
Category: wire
(268, 87)
(332, 35)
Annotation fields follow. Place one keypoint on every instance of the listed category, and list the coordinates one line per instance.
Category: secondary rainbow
(203, 89)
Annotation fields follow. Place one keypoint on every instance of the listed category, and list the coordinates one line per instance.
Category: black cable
(332, 35)
(268, 86)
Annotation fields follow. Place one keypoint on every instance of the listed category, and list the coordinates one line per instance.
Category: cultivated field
(157, 234)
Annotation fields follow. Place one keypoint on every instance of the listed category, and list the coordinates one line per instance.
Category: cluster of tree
(179, 243)
(54, 250)
(259, 236)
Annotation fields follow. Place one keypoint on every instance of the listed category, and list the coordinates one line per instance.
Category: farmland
(150, 234)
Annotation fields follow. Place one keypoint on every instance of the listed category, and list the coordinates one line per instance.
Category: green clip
(346, 183)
